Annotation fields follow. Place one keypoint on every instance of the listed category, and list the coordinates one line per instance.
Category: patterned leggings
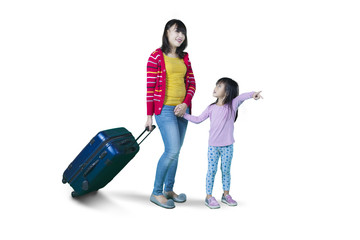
(214, 153)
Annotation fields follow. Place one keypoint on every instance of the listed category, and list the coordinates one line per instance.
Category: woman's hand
(257, 95)
(149, 122)
(180, 109)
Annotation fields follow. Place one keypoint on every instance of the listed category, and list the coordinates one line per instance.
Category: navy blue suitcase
(101, 160)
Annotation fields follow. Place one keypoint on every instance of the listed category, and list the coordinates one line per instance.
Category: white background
(69, 69)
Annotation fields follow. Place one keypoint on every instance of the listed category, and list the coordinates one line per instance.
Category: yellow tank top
(175, 84)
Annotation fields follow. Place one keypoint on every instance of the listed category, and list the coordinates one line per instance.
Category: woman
(170, 88)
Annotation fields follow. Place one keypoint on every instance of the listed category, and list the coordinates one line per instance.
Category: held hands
(257, 95)
(180, 109)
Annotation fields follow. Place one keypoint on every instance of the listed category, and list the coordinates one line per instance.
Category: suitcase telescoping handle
(146, 129)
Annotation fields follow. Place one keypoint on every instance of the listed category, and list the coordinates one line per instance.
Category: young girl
(223, 114)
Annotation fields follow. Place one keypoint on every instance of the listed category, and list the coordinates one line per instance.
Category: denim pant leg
(170, 177)
(168, 124)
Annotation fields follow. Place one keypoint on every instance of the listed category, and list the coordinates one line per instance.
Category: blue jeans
(173, 131)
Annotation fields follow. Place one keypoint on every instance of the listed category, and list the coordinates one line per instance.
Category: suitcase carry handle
(146, 129)
(91, 168)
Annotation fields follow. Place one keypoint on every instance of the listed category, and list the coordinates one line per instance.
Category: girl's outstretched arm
(241, 98)
(198, 119)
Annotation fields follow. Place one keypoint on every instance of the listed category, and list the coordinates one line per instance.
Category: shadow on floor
(145, 198)
(96, 200)
(132, 196)
(101, 200)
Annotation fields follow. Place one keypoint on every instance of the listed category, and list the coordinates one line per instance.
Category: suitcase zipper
(82, 166)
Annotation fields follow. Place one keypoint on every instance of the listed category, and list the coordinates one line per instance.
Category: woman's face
(219, 91)
(175, 37)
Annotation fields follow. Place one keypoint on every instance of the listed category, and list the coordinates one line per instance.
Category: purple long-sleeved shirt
(221, 120)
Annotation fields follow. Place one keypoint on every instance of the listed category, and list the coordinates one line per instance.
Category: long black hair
(165, 41)
(231, 92)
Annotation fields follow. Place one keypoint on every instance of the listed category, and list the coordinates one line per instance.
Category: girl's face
(175, 37)
(219, 91)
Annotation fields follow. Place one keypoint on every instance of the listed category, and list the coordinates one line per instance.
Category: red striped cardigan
(156, 82)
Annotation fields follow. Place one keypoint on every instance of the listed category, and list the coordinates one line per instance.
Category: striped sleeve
(190, 91)
(152, 73)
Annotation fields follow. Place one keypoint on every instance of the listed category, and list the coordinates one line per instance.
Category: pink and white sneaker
(228, 200)
(212, 203)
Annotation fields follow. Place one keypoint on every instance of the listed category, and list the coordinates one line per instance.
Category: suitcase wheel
(74, 194)
(64, 180)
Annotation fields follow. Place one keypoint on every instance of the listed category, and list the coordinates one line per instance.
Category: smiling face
(219, 91)
(175, 37)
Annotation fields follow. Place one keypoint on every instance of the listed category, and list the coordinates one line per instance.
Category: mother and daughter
(170, 89)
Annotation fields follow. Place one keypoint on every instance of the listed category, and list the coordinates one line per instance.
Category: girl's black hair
(165, 41)
(231, 92)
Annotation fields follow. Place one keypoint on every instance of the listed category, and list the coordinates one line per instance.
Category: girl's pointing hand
(257, 95)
